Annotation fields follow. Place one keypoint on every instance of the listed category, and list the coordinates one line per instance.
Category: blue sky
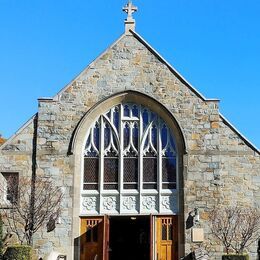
(214, 44)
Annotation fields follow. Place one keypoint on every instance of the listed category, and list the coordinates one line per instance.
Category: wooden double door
(138, 238)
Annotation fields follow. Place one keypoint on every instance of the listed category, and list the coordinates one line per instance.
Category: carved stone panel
(169, 203)
(149, 203)
(89, 205)
(129, 204)
(109, 204)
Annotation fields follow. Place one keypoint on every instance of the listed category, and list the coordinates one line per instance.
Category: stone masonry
(220, 166)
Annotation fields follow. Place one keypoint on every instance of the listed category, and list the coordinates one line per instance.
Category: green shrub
(235, 257)
(19, 252)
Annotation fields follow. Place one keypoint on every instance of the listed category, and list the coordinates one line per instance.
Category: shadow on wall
(188, 257)
(258, 249)
(189, 221)
(189, 224)
(77, 246)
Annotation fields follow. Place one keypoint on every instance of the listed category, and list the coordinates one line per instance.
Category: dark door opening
(129, 238)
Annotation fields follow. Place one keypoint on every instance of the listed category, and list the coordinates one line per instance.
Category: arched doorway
(130, 180)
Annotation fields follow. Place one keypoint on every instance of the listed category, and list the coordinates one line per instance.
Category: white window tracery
(129, 150)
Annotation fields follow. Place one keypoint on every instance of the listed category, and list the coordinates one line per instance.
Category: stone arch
(132, 97)
(79, 138)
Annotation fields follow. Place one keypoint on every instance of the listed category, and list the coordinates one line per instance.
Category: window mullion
(121, 149)
(140, 157)
(101, 156)
(159, 162)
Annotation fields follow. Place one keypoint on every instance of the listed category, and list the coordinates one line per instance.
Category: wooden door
(106, 248)
(167, 238)
(92, 238)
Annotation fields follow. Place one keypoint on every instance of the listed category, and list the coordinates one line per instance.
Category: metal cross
(130, 9)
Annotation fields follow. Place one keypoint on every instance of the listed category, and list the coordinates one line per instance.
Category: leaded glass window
(129, 148)
(91, 159)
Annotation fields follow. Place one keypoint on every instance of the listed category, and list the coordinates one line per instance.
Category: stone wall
(16, 153)
(220, 167)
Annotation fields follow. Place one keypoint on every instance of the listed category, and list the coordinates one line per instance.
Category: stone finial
(129, 21)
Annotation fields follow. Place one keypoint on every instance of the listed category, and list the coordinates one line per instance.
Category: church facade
(135, 149)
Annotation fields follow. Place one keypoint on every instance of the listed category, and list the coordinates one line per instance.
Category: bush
(235, 257)
(19, 252)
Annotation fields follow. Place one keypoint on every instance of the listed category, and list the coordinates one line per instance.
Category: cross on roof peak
(129, 21)
(130, 9)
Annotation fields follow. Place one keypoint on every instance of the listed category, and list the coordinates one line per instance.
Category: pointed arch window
(129, 148)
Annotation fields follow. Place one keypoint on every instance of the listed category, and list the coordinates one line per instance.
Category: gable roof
(26, 124)
(195, 91)
(169, 66)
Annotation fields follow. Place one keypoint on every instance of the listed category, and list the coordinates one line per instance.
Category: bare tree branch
(16, 211)
(236, 227)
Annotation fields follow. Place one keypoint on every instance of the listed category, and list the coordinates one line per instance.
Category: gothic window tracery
(129, 148)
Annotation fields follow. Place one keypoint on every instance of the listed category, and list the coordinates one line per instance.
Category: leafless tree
(236, 227)
(22, 216)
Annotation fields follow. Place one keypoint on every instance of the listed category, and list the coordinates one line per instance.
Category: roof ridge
(252, 146)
